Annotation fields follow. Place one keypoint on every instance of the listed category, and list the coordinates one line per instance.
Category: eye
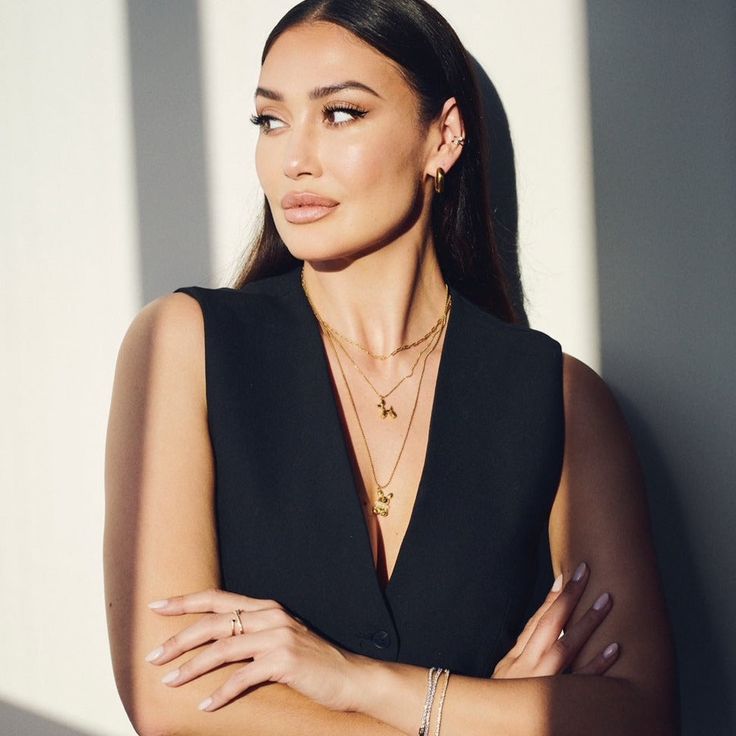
(351, 111)
(342, 114)
(264, 122)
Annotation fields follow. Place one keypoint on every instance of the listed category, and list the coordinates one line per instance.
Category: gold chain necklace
(389, 411)
(383, 500)
(330, 329)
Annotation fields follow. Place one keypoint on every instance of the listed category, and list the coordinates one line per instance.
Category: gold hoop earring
(439, 180)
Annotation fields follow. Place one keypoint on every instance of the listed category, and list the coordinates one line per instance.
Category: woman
(369, 351)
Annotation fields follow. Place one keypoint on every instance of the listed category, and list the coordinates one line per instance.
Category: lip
(304, 207)
(301, 215)
(306, 199)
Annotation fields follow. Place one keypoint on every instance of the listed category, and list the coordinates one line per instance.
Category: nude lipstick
(305, 207)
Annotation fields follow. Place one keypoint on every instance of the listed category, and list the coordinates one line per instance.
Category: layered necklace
(382, 503)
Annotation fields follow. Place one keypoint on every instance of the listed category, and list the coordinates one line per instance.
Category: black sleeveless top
(289, 521)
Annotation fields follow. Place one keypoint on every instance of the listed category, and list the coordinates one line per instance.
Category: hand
(540, 650)
(275, 646)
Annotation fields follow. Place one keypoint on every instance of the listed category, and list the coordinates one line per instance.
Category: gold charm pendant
(387, 411)
(380, 507)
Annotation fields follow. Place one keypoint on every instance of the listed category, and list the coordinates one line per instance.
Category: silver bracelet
(432, 676)
(442, 702)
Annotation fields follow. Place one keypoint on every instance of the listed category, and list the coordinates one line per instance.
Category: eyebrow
(318, 92)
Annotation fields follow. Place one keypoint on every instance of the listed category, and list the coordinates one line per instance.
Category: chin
(321, 251)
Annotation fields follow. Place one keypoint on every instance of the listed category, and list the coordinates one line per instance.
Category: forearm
(271, 709)
(559, 705)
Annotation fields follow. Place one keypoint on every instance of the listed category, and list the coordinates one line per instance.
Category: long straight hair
(436, 66)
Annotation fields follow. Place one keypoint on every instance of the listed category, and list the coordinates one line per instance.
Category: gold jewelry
(389, 411)
(439, 180)
(381, 506)
(240, 623)
(331, 329)
(459, 140)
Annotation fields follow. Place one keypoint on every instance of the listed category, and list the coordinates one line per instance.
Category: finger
(553, 620)
(220, 626)
(204, 601)
(206, 629)
(232, 649)
(253, 673)
(531, 624)
(566, 648)
(601, 662)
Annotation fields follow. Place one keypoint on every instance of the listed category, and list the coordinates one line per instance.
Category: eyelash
(358, 112)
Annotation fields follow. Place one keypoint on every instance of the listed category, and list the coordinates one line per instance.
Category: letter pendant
(380, 507)
(386, 410)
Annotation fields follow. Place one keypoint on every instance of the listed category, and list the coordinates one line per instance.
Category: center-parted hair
(436, 66)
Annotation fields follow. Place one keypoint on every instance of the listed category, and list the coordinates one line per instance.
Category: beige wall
(72, 275)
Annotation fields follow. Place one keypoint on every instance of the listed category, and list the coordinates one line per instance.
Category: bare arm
(160, 537)
(600, 517)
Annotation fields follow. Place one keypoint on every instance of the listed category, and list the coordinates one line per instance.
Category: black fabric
(289, 522)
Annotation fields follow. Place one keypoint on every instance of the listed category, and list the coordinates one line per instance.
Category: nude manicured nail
(579, 572)
(601, 602)
(173, 675)
(155, 654)
(557, 584)
(158, 604)
(610, 650)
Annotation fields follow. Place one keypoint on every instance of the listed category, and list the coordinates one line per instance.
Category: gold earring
(439, 180)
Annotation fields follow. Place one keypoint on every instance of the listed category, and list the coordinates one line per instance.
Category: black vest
(289, 521)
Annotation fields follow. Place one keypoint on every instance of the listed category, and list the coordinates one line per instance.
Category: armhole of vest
(199, 295)
(560, 370)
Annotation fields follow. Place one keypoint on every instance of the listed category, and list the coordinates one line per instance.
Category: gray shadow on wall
(168, 125)
(663, 96)
(15, 721)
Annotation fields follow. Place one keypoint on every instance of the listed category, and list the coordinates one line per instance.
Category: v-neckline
(432, 448)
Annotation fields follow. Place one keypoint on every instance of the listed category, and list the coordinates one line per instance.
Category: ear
(443, 137)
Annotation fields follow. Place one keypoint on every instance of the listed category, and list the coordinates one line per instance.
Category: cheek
(371, 174)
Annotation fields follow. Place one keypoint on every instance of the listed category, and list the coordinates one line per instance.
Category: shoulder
(163, 351)
(592, 413)
(252, 301)
(171, 323)
(514, 339)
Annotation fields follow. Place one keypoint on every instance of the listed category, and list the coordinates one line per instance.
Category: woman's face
(360, 146)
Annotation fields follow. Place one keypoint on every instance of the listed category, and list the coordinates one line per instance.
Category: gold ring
(240, 623)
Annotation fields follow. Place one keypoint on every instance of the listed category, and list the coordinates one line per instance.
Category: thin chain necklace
(330, 329)
(383, 500)
(389, 411)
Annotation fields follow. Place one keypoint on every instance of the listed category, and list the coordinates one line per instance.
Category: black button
(382, 639)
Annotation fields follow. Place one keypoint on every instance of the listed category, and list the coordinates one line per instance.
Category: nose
(301, 156)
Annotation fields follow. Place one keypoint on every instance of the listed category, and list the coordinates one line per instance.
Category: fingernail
(601, 602)
(557, 584)
(579, 572)
(168, 679)
(158, 604)
(610, 650)
(155, 654)
(205, 704)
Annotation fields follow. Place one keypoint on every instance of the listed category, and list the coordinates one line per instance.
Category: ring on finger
(237, 618)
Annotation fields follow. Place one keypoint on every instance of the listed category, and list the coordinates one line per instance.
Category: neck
(384, 299)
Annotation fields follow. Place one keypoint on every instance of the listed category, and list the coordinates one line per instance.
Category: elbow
(153, 724)
(150, 718)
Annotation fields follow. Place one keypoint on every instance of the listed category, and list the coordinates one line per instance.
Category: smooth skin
(282, 649)
(160, 532)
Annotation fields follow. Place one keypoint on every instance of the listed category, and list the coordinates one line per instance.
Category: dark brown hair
(436, 66)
